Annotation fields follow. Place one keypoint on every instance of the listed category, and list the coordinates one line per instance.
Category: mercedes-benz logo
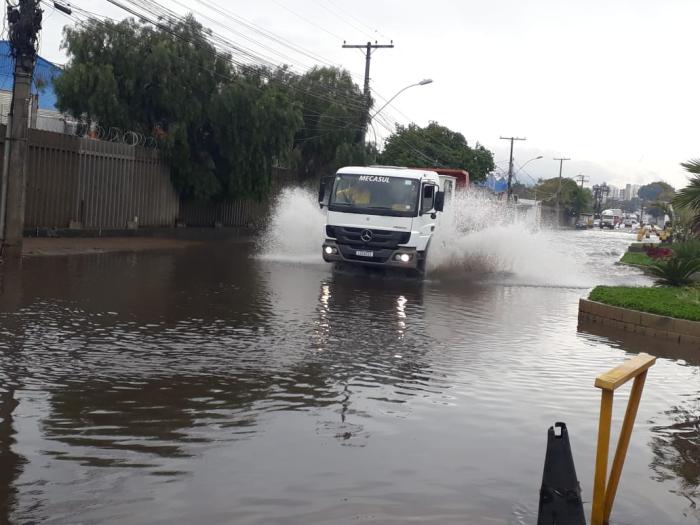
(366, 235)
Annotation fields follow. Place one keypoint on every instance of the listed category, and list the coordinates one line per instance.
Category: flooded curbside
(52, 247)
(662, 328)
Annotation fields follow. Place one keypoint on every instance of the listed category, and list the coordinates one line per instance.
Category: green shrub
(682, 303)
(687, 250)
(676, 271)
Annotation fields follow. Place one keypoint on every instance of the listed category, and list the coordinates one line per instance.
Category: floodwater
(211, 385)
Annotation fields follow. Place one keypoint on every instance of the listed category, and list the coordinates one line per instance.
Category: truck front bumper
(402, 257)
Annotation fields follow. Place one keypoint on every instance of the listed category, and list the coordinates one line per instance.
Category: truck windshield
(375, 195)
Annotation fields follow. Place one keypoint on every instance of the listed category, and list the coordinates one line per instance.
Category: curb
(665, 329)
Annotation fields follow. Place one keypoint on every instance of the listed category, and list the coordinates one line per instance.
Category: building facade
(43, 113)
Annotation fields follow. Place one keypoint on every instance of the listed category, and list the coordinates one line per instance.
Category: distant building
(631, 191)
(43, 113)
(613, 193)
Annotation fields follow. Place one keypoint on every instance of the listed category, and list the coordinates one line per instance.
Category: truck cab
(610, 218)
(381, 216)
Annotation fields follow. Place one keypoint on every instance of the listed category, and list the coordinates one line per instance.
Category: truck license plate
(364, 253)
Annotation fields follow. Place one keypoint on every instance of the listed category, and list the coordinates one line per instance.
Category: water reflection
(126, 423)
(257, 392)
(10, 462)
(633, 342)
(11, 336)
(676, 451)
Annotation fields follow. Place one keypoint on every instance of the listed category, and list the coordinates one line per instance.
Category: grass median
(636, 258)
(678, 302)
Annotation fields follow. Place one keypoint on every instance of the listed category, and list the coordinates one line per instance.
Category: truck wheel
(422, 265)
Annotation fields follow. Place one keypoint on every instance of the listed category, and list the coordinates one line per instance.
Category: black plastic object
(560, 495)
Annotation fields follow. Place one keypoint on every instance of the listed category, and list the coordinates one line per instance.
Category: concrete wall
(666, 330)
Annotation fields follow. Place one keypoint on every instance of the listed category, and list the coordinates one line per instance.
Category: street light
(520, 169)
(528, 162)
(421, 83)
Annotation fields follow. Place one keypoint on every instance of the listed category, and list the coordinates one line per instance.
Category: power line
(356, 19)
(160, 13)
(343, 19)
(561, 164)
(369, 47)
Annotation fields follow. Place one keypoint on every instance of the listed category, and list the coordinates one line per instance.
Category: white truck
(610, 218)
(382, 216)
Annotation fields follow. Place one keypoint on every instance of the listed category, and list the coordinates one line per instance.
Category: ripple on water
(255, 391)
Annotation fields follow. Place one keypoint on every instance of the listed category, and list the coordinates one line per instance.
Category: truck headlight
(402, 257)
(330, 250)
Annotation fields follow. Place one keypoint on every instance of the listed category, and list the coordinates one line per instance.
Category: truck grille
(386, 239)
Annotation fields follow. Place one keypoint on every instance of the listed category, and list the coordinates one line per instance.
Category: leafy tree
(688, 198)
(333, 111)
(221, 128)
(523, 191)
(573, 200)
(436, 146)
(657, 191)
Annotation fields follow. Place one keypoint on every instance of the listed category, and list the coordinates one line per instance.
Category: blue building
(44, 74)
(43, 113)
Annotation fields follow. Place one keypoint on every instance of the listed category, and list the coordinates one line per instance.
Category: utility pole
(600, 191)
(510, 165)
(24, 22)
(581, 178)
(561, 163)
(368, 47)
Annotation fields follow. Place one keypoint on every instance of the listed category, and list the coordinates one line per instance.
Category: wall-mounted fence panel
(241, 213)
(99, 184)
(105, 185)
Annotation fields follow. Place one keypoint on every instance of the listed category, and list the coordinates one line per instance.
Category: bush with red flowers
(659, 253)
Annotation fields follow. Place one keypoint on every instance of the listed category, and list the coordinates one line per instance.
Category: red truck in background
(461, 176)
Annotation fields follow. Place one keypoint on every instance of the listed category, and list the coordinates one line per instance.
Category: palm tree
(689, 197)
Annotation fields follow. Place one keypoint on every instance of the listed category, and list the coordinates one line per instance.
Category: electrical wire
(154, 9)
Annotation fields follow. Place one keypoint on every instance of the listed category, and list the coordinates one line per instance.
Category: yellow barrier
(604, 490)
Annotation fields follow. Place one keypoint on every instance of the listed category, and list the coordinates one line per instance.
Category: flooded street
(208, 385)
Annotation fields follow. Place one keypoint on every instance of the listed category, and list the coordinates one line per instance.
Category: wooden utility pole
(24, 21)
(510, 165)
(561, 164)
(581, 178)
(368, 47)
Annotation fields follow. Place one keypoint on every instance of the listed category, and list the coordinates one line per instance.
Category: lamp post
(510, 189)
(421, 83)
(529, 161)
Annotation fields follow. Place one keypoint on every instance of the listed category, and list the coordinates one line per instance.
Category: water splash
(476, 238)
(295, 230)
(480, 237)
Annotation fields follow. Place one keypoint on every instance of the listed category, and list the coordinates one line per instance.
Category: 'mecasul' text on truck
(382, 216)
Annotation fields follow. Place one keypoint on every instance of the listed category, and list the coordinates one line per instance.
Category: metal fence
(96, 184)
(246, 213)
(93, 183)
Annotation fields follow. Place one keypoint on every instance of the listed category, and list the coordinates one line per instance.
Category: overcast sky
(610, 83)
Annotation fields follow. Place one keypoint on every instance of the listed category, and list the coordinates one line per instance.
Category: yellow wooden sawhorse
(604, 488)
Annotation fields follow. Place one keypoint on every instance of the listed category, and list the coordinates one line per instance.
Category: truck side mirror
(440, 201)
(324, 191)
